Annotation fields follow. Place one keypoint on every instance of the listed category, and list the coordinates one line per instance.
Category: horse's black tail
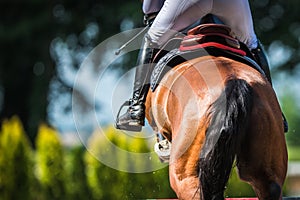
(228, 115)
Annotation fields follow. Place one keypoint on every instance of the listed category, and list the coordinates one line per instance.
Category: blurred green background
(36, 36)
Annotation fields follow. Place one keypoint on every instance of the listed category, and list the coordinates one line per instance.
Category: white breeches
(175, 15)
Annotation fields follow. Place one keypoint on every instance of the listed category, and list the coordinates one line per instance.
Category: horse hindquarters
(228, 115)
(263, 159)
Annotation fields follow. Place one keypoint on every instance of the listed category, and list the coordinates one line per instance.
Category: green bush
(16, 169)
(78, 173)
(108, 183)
(105, 182)
(50, 164)
(76, 181)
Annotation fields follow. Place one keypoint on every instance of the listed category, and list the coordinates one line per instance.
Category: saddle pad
(203, 40)
(175, 57)
(216, 35)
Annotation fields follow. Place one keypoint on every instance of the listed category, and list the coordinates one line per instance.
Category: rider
(176, 15)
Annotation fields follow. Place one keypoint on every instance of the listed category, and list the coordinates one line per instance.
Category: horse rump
(228, 120)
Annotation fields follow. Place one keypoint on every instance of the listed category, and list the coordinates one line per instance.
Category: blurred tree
(113, 183)
(27, 29)
(16, 163)
(277, 22)
(50, 164)
(76, 180)
(25, 64)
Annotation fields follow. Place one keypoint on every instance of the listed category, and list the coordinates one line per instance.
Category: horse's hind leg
(265, 187)
(265, 169)
(262, 158)
(263, 163)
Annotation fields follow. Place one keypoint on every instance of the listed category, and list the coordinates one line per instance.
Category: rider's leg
(237, 15)
(175, 16)
(159, 32)
(134, 118)
(152, 6)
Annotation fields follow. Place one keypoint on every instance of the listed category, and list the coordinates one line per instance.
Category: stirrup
(163, 150)
(129, 127)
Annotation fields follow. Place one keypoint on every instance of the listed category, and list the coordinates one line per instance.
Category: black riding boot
(261, 59)
(134, 118)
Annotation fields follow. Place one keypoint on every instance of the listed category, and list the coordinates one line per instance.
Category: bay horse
(216, 112)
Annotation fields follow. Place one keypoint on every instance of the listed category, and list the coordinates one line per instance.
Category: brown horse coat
(181, 109)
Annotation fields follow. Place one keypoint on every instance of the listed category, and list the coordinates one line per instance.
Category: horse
(218, 113)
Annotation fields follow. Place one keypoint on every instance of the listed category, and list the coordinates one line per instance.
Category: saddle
(206, 39)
